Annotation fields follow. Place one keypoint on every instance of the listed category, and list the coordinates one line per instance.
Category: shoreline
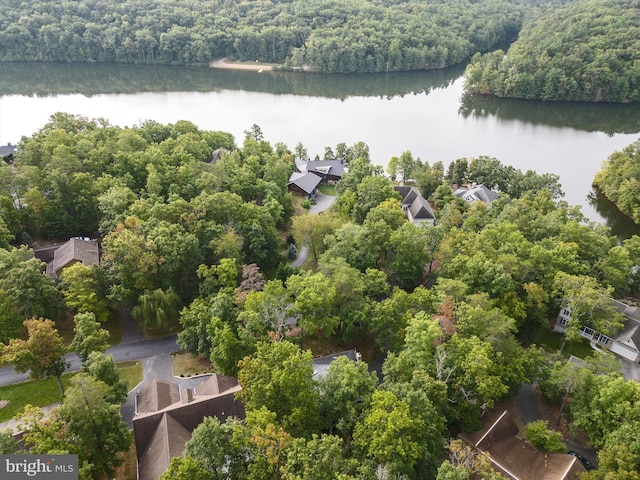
(221, 63)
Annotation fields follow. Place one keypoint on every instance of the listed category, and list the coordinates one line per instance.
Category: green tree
(318, 458)
(95, 426)
(80, 289)
(89, 337)
(310, 230)
(185, 468)
(389, 434)
(345, 393)
(212, 446)
(103, 368)
(157, 309)
(279, 377)
(314, 302)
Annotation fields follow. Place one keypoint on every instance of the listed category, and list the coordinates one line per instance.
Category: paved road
(323, 202)
(122, 352)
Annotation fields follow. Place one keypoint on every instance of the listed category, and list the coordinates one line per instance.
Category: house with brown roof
(76, 250)
(166, 416)
(515, 458)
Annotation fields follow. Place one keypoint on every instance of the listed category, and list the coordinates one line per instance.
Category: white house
(626, 344)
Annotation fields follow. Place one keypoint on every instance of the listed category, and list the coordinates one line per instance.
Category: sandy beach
(255, 67)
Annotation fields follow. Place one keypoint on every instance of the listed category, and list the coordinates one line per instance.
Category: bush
(306, 204)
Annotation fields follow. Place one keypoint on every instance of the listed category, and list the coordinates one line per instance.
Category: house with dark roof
(76, 250)
(167, 415)
(414, 206)
(321, 364)
(7, 152)
(216, 155)
(626, 344)
(479, 193)
(304, 183)
(327, 170)
(515, 458)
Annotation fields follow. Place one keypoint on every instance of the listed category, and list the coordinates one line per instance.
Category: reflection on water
(43, 79)
(590, 117)
(621, 225)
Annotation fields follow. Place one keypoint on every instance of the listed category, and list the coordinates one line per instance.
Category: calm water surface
(425, 113)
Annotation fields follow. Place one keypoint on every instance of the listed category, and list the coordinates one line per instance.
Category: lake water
(423, 112)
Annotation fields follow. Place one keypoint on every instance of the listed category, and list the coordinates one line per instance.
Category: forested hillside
(329, 35)
(619, 180)
(588, 51)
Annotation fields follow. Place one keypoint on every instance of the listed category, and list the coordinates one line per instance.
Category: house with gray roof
(414, 206)
(167, 415)
(304, 183)
(7, 152)
(327, 170)
(321, 364)
(76, 250)
(479, 193)
(626, 344)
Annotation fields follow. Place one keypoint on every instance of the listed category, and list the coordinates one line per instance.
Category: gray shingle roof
(305, 181)
(6, 150)
(477, 193)
(321, 364)
(331, 167)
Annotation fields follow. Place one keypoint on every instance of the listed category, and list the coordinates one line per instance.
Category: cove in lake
(424, 112)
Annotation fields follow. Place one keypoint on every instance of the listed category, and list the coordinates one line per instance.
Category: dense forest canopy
(619, 180)
(588, 51)
(329, 35)
(199, 245)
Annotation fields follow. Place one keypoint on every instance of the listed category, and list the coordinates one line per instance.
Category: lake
(424, 112)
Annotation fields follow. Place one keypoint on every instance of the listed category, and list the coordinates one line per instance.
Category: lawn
(131, 372)
(39, 393)
(327, 189)
(552, 342)
(184, 365)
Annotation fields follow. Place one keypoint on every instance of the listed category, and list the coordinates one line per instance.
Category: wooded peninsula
(588, 51)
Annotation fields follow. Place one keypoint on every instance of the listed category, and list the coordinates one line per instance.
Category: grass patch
(184, 365)
(552, 342)
(327, 189)
(38, 393)
(297, 204)
(131, 372)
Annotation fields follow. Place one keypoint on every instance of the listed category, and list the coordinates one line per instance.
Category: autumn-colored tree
(42, 352)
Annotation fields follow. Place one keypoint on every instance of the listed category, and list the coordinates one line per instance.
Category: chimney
(187, 395)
